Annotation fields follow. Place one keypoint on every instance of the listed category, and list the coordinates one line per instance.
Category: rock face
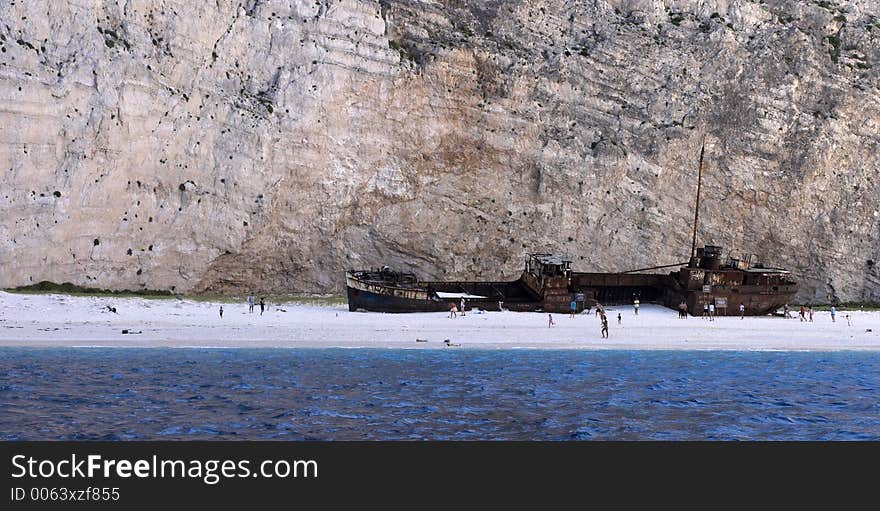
(270, 145)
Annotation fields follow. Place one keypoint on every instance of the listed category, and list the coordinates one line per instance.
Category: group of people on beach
(806, 314)
(600, 311)
(251, 301)
(709, 311)
(453, 309)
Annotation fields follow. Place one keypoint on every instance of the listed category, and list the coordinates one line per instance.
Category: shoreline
(57, 320)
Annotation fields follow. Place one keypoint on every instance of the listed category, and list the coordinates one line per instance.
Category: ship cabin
(549, 277)
(389, 277)
(548, 265)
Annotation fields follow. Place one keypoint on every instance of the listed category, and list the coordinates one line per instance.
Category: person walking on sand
(250, 301)
(573, 308)
(833, 313)
(221, 312)
(452, 311)
(811, 313)
(462, 306)
(711, 312)
(604, 327)
(682, 310)
(803, 313)
(636, 306)
(742, 311)
(705, 310)
(262, 306)
(618, 318)
(550, 321)
(847, 321)
(785, 312)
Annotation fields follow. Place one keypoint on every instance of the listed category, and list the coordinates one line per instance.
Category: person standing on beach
(221, 312)
(682, 310)
(462, 306)
(803, 313)
(618, 318)
(604, 326)
(573, 308)
(711, 312)
(833, 313)
(452, 311)
(636, 306)
(847, 321)
(250, 303)
(742, 311)
(262, 306)
(550, 321)
(705, 310)
(811, 313)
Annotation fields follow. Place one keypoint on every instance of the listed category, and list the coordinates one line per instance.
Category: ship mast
(697, 207)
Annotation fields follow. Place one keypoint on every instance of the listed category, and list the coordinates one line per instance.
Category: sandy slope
(58, 320)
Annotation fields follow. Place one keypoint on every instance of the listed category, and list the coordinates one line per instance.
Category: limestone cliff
(269, 145)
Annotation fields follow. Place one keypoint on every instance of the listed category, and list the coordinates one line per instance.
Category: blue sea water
(453, 394)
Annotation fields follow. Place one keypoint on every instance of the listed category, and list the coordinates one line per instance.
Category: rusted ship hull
(369, 293)
(372, 296)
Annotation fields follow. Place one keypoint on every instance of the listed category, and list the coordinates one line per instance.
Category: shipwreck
(549, 284)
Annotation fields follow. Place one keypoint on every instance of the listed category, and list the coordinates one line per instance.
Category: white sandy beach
(59, 320)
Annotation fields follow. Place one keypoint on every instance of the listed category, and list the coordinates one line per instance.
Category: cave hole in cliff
(96, 242)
